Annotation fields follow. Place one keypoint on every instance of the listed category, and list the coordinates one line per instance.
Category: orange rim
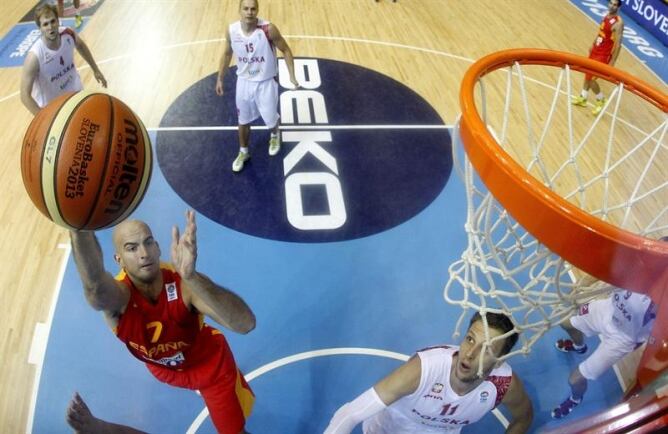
(603, 250)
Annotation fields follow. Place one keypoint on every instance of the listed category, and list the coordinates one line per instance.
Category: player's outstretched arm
(401, 382)
(102, 291)
(518, 403)
(214, 301)
(83, 49)
(28, 77)
(278, 40)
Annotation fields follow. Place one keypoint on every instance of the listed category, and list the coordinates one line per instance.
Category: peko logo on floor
(361, 153)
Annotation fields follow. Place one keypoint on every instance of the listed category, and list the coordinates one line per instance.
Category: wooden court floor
(152, 50)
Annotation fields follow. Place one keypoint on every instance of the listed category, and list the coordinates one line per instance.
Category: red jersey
(165, 333)
(605, 40)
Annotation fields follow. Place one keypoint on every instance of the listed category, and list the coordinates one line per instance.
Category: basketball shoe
(565, 408)
(274, 144)
(598, 106)
(78, 21)
(579, 101)
(567, 346)
(240, 161)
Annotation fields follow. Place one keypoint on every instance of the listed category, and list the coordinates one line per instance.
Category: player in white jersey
(49, 70)
(623, 322)
(253, 42)
(439, 390)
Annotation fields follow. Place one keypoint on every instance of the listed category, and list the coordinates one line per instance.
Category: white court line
(41, 337)
(319, 353)
(308, 127)
(331, 38)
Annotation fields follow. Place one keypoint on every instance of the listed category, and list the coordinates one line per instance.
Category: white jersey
(57, 73)
(434, 407)
(633, 314)
(255, 53)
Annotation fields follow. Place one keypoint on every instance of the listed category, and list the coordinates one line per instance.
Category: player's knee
(576, 378)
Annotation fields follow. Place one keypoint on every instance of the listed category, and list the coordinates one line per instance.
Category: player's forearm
(290, 63)
(224, 65)
(226, 308)
(29, 103)
(88, 57)
(87, 255)
(97, 282)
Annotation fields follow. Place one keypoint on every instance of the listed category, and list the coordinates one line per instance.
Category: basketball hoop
(553, 191)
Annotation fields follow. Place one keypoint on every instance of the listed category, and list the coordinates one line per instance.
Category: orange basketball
(86, 160)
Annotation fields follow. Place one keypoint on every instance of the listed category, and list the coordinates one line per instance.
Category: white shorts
(595, 318)
(255, 99)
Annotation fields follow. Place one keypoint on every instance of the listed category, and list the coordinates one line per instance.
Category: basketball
(86, 160)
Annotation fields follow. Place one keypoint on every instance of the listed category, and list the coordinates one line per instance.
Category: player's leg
(61, 8)
(576, 342)
(600, 98)
(576, 335)
(581, 100)
(592, 319)
(77, 17)
(607, 354)
(244, 155)
(266, 99)
(230, 402)
(247, 113)
(578, 384)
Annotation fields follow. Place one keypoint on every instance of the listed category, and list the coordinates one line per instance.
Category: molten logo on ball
(126, 163)
(86, 160)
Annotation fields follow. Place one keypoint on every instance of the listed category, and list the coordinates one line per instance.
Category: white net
(612, 165)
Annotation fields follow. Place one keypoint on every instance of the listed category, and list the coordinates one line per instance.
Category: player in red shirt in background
(605, 49)
(158, 311)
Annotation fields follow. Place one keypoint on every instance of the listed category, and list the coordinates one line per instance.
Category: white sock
(584, 93)
(244, 150)
(577, 347)
(600, 96)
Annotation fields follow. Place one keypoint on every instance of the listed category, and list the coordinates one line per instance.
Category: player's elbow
(246, 324)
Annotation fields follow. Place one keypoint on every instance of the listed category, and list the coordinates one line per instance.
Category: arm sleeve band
(354, 412)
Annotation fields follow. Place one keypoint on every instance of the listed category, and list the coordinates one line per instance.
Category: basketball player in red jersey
(157, 310)
(605, 49)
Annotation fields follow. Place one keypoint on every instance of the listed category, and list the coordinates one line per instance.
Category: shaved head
(136, 251)
(127, 228)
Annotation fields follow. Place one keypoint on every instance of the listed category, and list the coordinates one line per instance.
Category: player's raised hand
(100, 78)
(184, 247)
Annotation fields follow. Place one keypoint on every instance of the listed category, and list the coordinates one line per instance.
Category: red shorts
(601, 57)
(226, 394)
